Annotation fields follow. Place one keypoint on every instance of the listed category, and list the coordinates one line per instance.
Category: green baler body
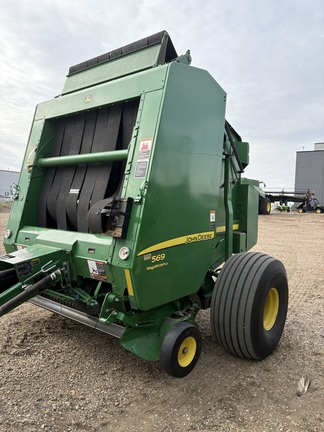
(191, 210)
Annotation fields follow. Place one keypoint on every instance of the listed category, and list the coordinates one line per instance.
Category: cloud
(267, 56)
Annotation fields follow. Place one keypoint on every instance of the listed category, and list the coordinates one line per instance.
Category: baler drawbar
(130, 199)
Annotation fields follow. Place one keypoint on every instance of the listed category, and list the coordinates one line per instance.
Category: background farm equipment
(282, 208)
(310, 204)
(306, 201)
(130, 197)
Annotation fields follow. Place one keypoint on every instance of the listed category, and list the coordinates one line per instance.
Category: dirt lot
(57, 375)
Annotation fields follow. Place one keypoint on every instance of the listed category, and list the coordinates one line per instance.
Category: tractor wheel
(249, 305)
(301, 210)
(318, 210)
(264, 206)
(180, 349)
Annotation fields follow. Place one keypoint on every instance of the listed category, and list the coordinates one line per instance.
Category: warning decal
(141, 168)
(212, 219)
(143, 156)
(97, 269)
(144, 150)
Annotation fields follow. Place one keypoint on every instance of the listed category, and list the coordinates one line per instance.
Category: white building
(310, 171)
(7, 179)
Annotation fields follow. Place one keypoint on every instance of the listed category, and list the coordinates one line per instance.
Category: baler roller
(112, 156)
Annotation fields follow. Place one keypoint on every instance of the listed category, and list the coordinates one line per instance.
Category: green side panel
(24, 207)
(135, 184)
(184, 178)
(119, 67)
(243, 150)
(239, 242)
(246, 205)
(124, 88)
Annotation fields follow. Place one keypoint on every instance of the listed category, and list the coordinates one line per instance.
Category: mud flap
(144, 342)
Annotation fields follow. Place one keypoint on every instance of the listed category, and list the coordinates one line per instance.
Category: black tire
(249, 305)
(180, 349)
(264, 206)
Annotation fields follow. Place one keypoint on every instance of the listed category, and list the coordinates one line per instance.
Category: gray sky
(267, 55)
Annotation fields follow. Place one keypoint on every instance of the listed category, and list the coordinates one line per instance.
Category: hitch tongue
(29, 291)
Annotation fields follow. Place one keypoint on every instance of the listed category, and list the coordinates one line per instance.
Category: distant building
(310, 171)
(7, 179)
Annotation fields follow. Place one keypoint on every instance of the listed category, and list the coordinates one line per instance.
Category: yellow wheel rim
(318, 211)
(271, 309)
(300, 210)
(268, 207)
(187, 351)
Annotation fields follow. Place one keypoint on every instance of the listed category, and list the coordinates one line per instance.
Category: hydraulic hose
(30, 292)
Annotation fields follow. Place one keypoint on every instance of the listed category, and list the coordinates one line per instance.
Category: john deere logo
(88, 99)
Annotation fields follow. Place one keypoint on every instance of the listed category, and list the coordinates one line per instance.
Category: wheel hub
(187, 351)
(271, 309)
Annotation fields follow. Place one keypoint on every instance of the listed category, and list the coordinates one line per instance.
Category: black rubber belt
(96, 221)
(129, 118)
(43, 217)
(73, 196)
(103, 141)
(67, 173)
(118, 170)
(167, 52)
(56, 185)
(105, 169)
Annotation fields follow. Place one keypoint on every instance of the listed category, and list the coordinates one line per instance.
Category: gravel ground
(57, 375)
